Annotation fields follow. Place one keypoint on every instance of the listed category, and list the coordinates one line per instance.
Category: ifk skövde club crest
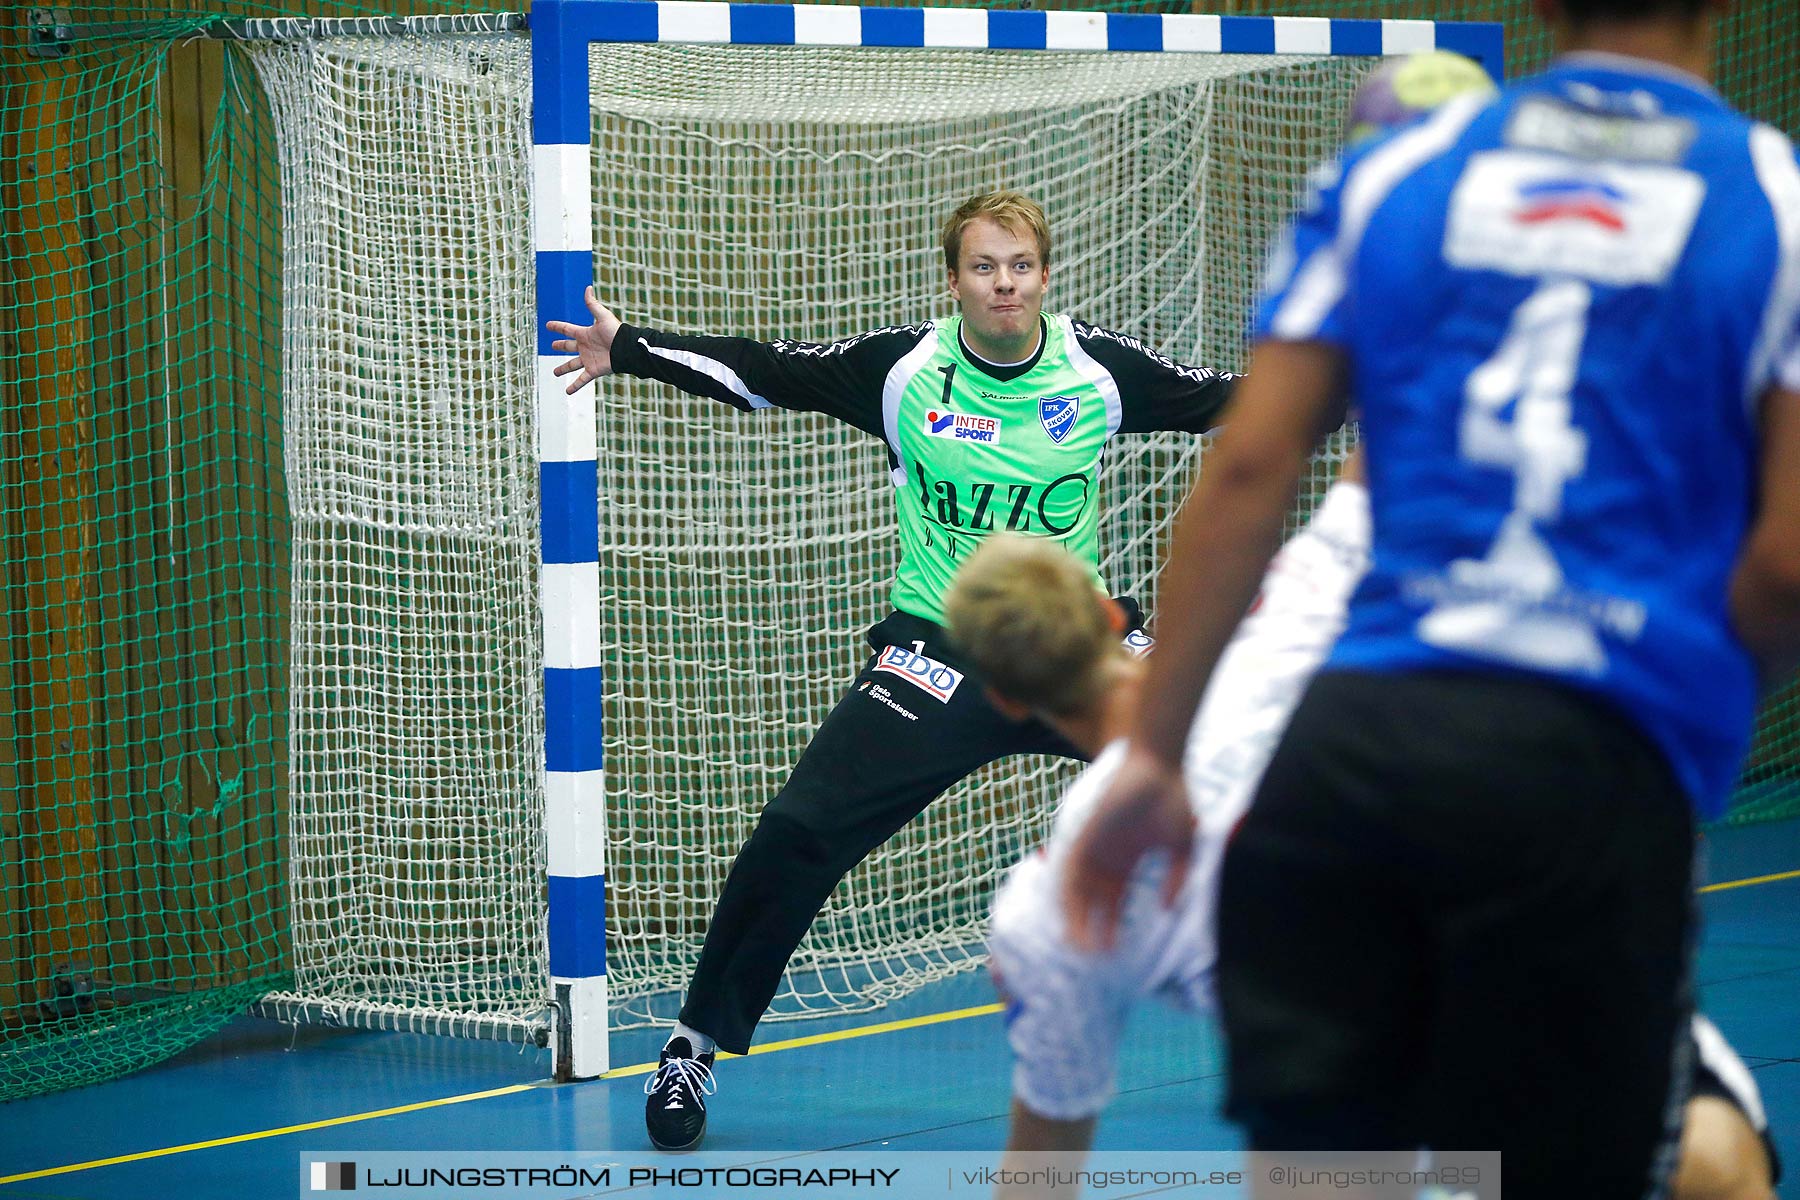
(1058, 415)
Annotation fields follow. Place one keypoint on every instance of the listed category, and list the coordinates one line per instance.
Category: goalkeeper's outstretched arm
(841, 379)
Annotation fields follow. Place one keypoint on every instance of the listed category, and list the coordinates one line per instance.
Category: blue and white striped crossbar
(562, 29)
(562, 200)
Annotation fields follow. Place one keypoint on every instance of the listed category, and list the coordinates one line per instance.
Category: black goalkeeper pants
(914, 722)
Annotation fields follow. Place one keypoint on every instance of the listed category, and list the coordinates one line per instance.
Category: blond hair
(1014, 212)
(1027, 614)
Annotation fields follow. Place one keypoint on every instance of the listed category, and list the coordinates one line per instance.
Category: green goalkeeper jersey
(973, 447)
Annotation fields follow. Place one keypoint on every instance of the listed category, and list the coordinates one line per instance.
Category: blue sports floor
(232, 1117)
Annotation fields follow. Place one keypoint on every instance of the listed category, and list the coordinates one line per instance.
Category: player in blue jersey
(1046, 643)
(1458, 913)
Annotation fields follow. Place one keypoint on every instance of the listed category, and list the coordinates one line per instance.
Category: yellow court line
(1738, 883)
(265, 1133)
(816, 1039)
(819, 1039)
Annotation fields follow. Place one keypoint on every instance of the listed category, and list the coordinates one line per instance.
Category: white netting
(416, 829)
(771, 192)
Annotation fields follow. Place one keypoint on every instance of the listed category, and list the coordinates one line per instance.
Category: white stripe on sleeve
(1089, 369)
(893, 389)
(713, 369)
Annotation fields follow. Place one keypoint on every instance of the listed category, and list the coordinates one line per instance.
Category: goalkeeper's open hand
(591, 344)
(1144, 808)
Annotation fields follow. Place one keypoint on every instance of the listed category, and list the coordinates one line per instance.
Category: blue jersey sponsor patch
(1530, 214)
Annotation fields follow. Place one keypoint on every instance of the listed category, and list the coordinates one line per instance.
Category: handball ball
(1405, 89)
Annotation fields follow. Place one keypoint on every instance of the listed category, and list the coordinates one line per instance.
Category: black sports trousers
(1459, 914)
(893, 744)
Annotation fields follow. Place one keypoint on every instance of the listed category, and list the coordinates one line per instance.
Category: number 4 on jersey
(1504, 605)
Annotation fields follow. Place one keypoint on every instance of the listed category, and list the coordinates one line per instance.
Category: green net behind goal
(143, 747)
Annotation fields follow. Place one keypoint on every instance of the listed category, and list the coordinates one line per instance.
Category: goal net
(772, 191)
(416, 795)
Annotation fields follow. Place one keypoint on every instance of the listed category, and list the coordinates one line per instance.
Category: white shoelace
(695, 1075)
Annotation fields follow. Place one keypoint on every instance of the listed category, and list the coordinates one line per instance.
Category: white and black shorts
(1718, 1071)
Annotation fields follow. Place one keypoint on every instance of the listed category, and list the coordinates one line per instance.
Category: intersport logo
(964, 428)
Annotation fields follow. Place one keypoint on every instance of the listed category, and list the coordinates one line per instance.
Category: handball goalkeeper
(994, 419)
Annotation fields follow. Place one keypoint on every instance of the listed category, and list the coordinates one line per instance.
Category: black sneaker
(675, 1113)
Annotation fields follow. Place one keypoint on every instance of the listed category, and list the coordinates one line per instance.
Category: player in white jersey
(1069, 1006)
(1034, 627)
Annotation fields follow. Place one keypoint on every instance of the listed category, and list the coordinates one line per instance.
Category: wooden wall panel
(119, 193)
(51, 506)
(167, 610)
